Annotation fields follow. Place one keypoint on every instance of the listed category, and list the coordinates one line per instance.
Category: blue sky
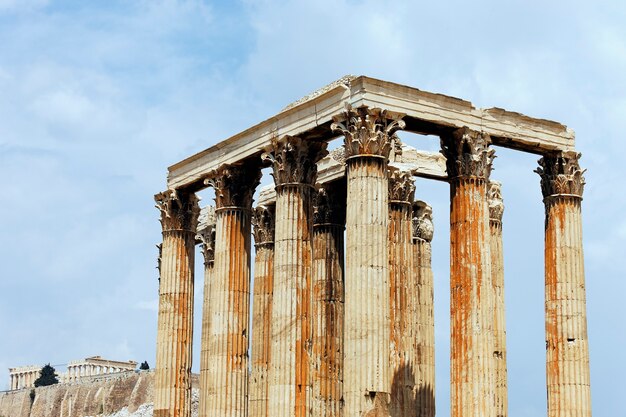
(98, 98)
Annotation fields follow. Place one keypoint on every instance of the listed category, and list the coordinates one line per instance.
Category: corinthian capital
(401, 186)
(467, 153)
(234, 185)
(367, 131)
(329, 204)
(496, 204)
(264, 220)
(423, 227)
(179, 211)
(561, 175)
(206, 233)
(294, 160)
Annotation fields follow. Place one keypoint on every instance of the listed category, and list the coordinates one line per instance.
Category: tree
(144, 366)
(47, 376)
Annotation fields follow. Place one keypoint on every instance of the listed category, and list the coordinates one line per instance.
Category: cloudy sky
(98, 98)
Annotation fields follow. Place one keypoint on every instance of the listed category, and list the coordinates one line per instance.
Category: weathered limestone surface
(403, 296)
(263, 221)
(328, 300)
(227, 386)
(206, 236)
(424, 319)
(367, 381)
(567, 347)
(179, 217)
(472, 388)
(496, 210)
(294, 169)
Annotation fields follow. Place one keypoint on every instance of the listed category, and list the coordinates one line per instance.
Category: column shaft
(424, 311)
(328, 300)
(471, 292)
(367, 381)
(172, 394)
(230, 289)
(403, 297)
(496, 209)
(262, 310)
(206, 236)
(567, 346)
(294, 167)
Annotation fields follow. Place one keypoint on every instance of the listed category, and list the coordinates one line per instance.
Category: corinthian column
(496, 209)
(206, 236)
(172, 391)
(367, 381)
(294, 170)
(424, 315)
(227, 386)
(328, 298)
(567, 349)
(402, 296)
(472, 366)
(263, 221)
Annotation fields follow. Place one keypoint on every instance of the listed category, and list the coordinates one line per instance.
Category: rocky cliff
(129, 394)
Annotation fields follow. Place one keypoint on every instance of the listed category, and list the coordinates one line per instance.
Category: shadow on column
(407, 401)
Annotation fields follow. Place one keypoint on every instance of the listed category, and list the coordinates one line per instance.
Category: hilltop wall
(128, 394)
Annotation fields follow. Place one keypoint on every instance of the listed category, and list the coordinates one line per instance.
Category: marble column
(496, 210)
(172, 379)
(263, 221)
(234, 187)
(367, 136)
(403, 295)
(294, 166)
(328, 299)
(469, 160)
(206, 236)
(424, 312)
(567, 346)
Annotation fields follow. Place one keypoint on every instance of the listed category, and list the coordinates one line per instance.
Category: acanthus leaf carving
(329, 205)
(234, 184)
(206, 234)
(422, 221)
(561, 174)
(496, 204)
(294, 160)
(179, 211)
(467, 153)
(263, 222)
(367, 131)
(401, 186)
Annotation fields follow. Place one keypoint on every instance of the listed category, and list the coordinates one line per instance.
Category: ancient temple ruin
(342, 299)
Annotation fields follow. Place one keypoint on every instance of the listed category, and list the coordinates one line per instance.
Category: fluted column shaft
(496, 210)
(172, 395)
(294, 166)
(403, 296)
(367, 381)
(328, 300)
(472, 343)
(262, 310)
(207, 238)
(567, 348)
(230, 290)
(424, 311)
